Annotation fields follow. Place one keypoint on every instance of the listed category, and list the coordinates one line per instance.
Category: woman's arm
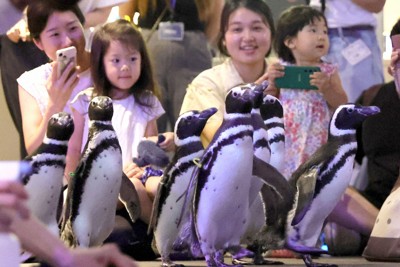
(75, 143)
(374, 6)
(33, 123)
(97, 16)
(213, 21)
(128, 8)
(35, 238)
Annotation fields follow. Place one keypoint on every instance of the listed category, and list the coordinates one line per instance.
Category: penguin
(93, 190)
(269, 192)
(271, 111)
(224, 171)
(44, 184)
(167, 206)
(321, 180)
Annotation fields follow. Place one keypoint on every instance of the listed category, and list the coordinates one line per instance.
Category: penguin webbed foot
(171, 264)
(309, 262)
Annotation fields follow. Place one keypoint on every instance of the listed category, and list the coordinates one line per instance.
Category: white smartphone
(64, 57)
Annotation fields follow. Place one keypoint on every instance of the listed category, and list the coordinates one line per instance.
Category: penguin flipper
(305, 185)
(130, 198)
(271, 177)
(157, 202)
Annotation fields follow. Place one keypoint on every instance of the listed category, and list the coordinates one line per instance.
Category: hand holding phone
(297, 77)
(64, 57)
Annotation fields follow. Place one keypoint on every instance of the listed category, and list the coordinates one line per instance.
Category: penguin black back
(59, 130)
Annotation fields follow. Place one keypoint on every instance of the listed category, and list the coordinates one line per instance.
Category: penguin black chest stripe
(277, 138)
(109, 141)
(234, 133)
(46, 155)
(274, 125)
(346, 147)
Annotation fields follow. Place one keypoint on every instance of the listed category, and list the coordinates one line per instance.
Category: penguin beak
(207, 113)
(369, 111)
(261, 87)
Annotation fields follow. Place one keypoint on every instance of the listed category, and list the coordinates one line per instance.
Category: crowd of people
(153, 76)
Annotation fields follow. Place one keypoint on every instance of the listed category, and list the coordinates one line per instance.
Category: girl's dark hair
(290, 22)
(126, 33)
(39, 11)
(258, 6)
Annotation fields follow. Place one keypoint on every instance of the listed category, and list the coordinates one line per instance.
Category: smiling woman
(246, 33)
(53, 25)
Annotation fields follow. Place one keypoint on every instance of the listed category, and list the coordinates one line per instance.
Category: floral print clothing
(306, 117)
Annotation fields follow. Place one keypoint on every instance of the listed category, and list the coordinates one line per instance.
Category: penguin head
(60, 126)
(101, 109)
(347, 118)
(258, 91)
(271, 107)
(239, 100)
(191, 124)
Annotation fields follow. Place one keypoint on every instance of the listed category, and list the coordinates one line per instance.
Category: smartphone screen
(297, 77)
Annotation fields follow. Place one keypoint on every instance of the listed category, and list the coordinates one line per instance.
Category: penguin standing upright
(271, 111)
(44, 183)
(93, 190)
(269, 191)
(321, 181)
(222, 182)
(167, 206)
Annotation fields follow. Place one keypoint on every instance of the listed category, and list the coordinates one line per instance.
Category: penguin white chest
(223, 203)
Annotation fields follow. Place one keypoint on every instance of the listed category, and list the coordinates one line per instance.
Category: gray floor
(340, 261)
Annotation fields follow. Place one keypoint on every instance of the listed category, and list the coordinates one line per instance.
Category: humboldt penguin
(269, 192)
(323, 178)
(44, 184)
(271, 111)
(225, 170)
(167, 206)
(93, 190)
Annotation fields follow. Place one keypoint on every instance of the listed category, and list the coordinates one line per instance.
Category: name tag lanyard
(170, 30)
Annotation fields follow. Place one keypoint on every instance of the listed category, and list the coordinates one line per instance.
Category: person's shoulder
(213, 75)
(38, 73)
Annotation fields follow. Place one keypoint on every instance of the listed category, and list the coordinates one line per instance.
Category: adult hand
(274, 71)
(168, 144)
(60, 88)
(19, 32)
(104, 256)
(12, 201)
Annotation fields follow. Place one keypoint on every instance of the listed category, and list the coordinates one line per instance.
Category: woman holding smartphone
(53, 25)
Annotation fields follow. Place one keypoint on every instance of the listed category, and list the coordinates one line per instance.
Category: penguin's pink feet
(171, 264)
(243, 253)
(166, 262)
(309, 262)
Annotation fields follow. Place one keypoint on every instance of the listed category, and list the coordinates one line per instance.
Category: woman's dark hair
(395, 29)
(126, 33)
(258, 6)
(39, 11)
(290, 22)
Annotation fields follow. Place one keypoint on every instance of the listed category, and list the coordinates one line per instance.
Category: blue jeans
(366, 73)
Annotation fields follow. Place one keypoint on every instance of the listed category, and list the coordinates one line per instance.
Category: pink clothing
(306, 116)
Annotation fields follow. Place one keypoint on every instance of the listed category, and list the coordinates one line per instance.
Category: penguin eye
(235, 94)
(189, 118)
(272, 101)
(350, 110)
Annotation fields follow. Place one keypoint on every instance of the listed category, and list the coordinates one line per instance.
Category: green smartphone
(297, 77)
